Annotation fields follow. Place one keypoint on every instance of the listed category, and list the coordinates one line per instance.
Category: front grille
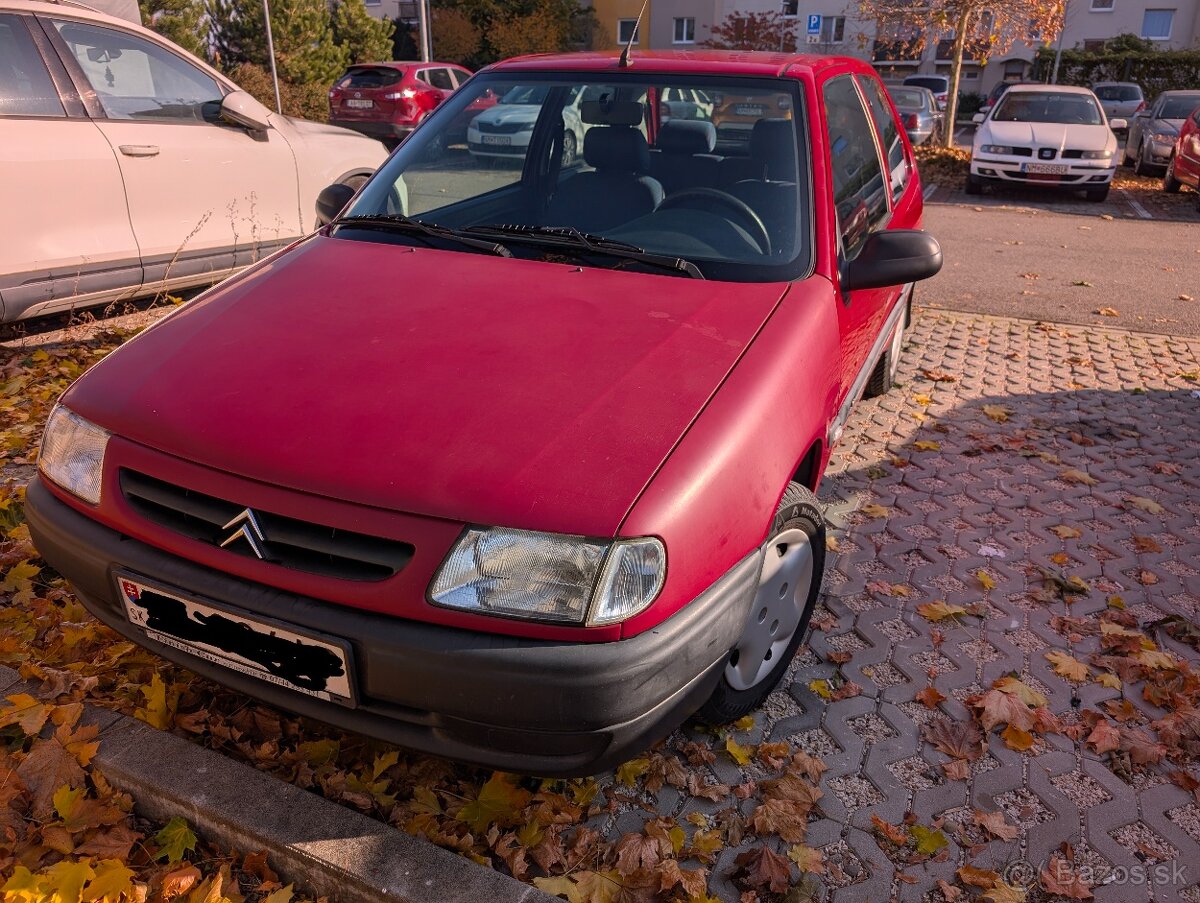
(1022, 152)
(502, 128)
(291, 543)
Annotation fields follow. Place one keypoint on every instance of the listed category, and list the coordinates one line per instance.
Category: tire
(570, 149)
(1096, 195)
(883, 377)
(789, 583)
(1170, 184)
(974, 184)
(1140, 166)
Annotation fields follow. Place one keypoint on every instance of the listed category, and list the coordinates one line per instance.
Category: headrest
(773, 144)
(611, 112)
(616, 148)
(687, 136)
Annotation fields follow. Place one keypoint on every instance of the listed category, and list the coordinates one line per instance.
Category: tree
(988, 27)
(181, 21)
(364, 38)
(305, 51)
(508, 27)
(754, 31)
(538, 32)
(455, 36)
(1129, 43)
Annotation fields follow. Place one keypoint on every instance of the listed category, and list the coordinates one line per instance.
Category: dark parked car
(938, 84)
(1152, 132)
(997, 92)
(556, 494)
(389, 100)
(919, 113)
(1184, 167)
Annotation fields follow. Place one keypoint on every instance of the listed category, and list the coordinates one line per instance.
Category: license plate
(496, 139)
(360, 104)
(262, 649)
(749, 109)
(1050, 169)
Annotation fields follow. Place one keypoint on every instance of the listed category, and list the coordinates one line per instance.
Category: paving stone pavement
(1012, 406)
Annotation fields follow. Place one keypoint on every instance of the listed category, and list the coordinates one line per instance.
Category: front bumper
(538, 707)
(382, 130)
(1012, 170)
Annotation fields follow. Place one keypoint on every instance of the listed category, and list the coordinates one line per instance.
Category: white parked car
(1048, 136)
(504, 129)
(128, 167)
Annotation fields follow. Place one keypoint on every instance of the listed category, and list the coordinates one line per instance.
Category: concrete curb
(320, 846)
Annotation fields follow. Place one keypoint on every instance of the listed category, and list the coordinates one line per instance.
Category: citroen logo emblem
(247, 529)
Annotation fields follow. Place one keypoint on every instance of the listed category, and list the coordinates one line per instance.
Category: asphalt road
(1019, 262)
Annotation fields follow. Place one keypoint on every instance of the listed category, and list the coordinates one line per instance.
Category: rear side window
(933, 84)
(1119, 92)
(859, 189)
(889, 134)
(440, 78)
(26, 88)
(136, 79)
(371, 77)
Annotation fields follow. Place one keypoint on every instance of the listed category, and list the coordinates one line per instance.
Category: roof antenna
(624, 61)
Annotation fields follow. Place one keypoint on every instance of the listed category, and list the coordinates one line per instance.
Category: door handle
(139, 150)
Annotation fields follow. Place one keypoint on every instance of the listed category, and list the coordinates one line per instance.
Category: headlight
(1002, 149)
(550, 577)
(1096, 155)
(72, 454)
(1163, 138)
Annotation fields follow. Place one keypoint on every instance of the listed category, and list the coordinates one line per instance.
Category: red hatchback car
(1184, 165)
(389, 100)
(513, 464)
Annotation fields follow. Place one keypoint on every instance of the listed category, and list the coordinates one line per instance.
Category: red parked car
(513, 465)
(389, 100)
(1184, 166)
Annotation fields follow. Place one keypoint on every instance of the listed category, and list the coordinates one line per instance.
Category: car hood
(1046, 134)
(1164, 126)
(502, 113)
(497, 391)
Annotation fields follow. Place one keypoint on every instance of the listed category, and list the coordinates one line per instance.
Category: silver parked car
(919, 112)
(1121, 100)
(1153, 131)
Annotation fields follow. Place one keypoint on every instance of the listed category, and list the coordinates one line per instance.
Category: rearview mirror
(239, 108)
(893, 257)
(1117, 124)
(332, 201)
(978, 117)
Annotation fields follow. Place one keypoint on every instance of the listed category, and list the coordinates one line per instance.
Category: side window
(459, 77)
(440, 78)
(859, 189)
(889, 134)
(423, 75)
(137, 79)
(26, 88)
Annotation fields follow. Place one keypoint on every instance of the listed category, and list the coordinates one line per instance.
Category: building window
(970, 75)
(1014, 70)
(627, 29)
(1096, 46)
(833, 29)
(1156, 24)
(1103, 6)
(685, 31)
(791, 7)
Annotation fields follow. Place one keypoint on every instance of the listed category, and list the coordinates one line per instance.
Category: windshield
(1119, 92)
(910, 99)
(1047, 106)
(1179, 107)
(704, 169)
(933, 84)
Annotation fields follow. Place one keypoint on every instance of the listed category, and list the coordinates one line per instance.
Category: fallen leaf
(761, 867)
(810, 861)
(499, 802)
(977, 877)
(1108, 679)
(997, 413)
(175, 839)
(737, 752)
(1108, 312)
(957, 739)
(895, 833)
(1017, 739)
(1104, 737)
(985, 580)
(1066, 665)
(995, 824)
(1077, 476)
(873, 510)
(928, 840)
(1146, 544)
(1059, 878)
(930, 697)
(1065, 532)
(996, 707)
(1148, 505)
(1021, 690)
(940, 610)
(956, 770)
(927, 445)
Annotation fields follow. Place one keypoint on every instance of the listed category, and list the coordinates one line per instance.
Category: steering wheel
(689, 198)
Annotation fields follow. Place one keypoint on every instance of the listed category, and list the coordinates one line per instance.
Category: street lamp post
(426, 38)
(271, 54)
(1058, 48)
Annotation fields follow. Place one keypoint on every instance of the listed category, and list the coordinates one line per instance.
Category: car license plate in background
(302, 663)
(749, 109)
(495, 139)
(1051, 169)
(360, 104)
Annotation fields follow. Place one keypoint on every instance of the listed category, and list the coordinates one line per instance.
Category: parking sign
(814, 24)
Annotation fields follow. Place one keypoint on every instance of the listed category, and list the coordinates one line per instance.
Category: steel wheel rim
(783, 590)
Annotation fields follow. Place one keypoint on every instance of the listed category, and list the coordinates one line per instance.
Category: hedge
(1155, 71)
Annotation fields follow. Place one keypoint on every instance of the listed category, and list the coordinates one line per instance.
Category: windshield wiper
(397, 222)
(572, 238)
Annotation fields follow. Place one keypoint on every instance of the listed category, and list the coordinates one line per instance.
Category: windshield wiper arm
(570, 237)
(397, 222)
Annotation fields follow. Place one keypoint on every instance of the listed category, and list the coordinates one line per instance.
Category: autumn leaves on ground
(705, 816)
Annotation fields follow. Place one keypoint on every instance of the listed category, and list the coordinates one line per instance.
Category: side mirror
(893, 257)
(332, 201)
(239, 108)
(1117, 124)
(978, 117)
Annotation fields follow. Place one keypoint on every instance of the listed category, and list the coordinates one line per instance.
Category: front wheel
(1140, 166)
(793, 564)
(1171, 185)
(1096, 195)
(974, 184)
